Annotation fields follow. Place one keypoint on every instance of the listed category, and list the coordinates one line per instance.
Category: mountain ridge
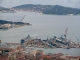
(48, 9)
(6, 10)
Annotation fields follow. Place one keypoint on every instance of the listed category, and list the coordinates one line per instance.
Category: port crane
(23, 18)
(20, 21)
(65, 32)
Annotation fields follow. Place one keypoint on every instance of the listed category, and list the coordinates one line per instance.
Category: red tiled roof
(59, 54)
(46, 56)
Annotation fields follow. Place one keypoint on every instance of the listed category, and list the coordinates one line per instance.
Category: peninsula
(9, 24)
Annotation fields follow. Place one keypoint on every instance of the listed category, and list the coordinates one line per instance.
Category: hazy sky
(68, 3)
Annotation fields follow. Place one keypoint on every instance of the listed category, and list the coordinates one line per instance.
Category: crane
(23, 18)
(20, 21)
(65, 32)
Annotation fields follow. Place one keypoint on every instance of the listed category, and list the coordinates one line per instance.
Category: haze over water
(43, 26)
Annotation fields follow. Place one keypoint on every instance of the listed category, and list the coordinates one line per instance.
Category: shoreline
(9, 26)
(51, 14)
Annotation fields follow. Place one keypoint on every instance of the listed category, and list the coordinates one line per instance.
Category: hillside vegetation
(48, 9)
(9, 22)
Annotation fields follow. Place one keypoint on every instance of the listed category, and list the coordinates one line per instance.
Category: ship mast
(77, 40)
(65, 32)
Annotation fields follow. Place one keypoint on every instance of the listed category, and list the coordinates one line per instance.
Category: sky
(67, 3)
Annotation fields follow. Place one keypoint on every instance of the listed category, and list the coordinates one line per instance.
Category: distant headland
(44, 9)
(48, 9)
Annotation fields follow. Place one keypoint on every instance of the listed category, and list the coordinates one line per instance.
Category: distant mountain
(2, 8)
(6, 10)
(48, 9)
(60, 10)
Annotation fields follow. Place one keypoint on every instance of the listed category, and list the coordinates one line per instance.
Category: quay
(25, 49)
(53, 42)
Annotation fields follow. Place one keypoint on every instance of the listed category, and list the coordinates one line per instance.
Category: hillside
(2, 8)
(48, 9)
(6, 10)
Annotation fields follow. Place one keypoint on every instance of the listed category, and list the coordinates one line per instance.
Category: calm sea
(43, 26)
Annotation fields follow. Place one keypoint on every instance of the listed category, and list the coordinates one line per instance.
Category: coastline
(8, 24)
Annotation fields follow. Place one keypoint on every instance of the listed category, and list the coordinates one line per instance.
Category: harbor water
(43, 26)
